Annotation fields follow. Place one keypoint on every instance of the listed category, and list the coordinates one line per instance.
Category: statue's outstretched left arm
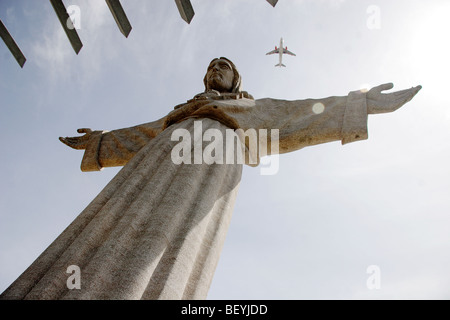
(303, 123)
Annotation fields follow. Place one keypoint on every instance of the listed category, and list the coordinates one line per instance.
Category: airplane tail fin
(280, 65)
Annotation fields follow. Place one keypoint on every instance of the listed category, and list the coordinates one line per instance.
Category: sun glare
(430, 49)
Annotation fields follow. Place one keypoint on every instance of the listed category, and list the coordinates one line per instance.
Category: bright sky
(309, 232)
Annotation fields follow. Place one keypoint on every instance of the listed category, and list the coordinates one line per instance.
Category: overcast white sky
(308, 232)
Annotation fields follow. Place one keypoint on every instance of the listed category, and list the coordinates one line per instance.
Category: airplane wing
(273, 51)
(286, 51)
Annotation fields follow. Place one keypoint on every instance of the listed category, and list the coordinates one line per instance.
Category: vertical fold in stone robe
(157, 229)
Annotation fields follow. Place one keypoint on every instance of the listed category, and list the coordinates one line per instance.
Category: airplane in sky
(281, 51)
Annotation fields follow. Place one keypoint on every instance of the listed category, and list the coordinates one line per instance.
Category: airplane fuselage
(281, 50)
(280, 54)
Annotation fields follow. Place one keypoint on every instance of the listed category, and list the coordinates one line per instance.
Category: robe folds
(156, 230)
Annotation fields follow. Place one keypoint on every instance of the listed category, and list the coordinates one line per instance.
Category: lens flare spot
(365, 87)
(318, 108)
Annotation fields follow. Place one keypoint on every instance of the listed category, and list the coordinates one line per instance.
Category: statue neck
(216, 95)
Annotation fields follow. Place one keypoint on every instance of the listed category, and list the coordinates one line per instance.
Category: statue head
(222, 76)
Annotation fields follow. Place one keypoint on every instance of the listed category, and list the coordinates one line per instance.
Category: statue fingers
(410, 91)
(375, 93)
(406, 95)
(63, 140)
(73, 142)
(84, 130)
(391, 101)
(399, 98)
(68, 142)
(383, 87)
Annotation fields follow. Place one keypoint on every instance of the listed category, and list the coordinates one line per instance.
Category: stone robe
(157, 229)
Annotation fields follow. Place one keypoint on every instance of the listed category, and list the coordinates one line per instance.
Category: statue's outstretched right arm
(112, 148)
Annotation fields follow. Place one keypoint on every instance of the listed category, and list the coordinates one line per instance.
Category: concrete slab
(12, 45)
(185, 9)
(119, 15)
(272, 2)
(67, 25)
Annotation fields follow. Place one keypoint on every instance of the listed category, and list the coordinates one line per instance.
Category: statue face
(220, 76)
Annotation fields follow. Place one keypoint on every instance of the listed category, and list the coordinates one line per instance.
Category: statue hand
(378, 102)
(78, 142)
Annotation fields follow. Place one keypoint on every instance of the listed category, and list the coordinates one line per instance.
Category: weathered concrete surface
(272, 2)
(185, 9)
(12, 45)
(64, 19)
(119, 16)
(156, 230)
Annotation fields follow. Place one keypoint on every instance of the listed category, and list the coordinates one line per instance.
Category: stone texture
(63, 17)
(12, 45)
(272, 2)
(185, 9)
(119, 16)
(156, 230)
(343, 119)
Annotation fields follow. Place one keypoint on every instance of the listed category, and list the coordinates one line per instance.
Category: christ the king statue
(157, 229)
